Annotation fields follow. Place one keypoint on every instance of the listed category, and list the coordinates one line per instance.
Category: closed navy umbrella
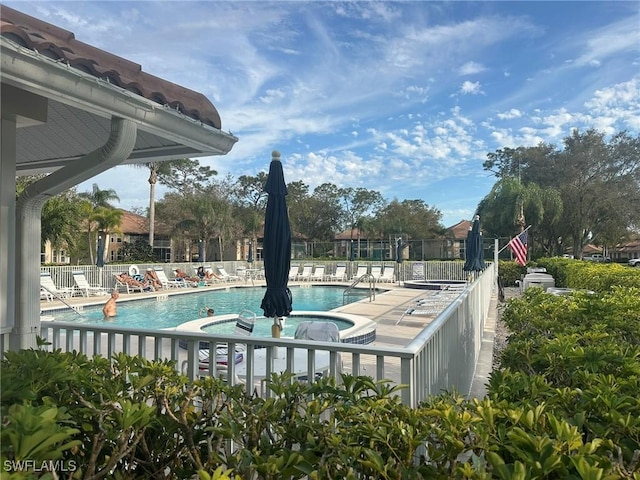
(100, 253)
(399, 247)
(276, 247)
(201, 252)
(250, 254)
(474, 261)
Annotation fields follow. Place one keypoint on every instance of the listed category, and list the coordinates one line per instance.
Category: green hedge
(579, 356)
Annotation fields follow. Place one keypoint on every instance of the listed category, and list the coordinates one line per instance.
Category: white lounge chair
(128, 287)
(84, 287)
(225, 276)
(44, 295)
(166, 283)
(46, 283)
(340, 275)
(293, 271)
(387, 274)
(318, 273)
(431, 305)
(423, 310)
(305, 274)
(214, 277)
(376, 271)
(319, 332)
(362, 270)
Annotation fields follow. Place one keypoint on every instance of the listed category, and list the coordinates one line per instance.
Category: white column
(7, 224)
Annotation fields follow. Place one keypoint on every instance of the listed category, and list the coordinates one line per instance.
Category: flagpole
(500, 251)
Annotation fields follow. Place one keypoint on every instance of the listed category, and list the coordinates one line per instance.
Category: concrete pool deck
(387, 308)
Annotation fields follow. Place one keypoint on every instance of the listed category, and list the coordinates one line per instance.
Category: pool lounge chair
(128, 287)
(431, 305)
(423, 310)
(387, 274)
(46, 283)
(318, 273)
(307, 270)
(362, 270)
(44, 295)
(293, 271)
(214, 277)
(225, 276)
(319, 332)
(376, 272)
(166, 283)
(340, 275)
(83, 286)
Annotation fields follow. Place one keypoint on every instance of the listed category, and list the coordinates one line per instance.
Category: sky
(404, 98)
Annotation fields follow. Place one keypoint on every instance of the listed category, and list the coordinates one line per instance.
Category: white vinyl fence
(442, 356)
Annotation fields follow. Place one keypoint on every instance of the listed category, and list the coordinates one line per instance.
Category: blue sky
(403, 98)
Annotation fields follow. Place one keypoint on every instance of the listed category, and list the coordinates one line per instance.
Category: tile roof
(460, 230)
(60, 44)
(134, 224)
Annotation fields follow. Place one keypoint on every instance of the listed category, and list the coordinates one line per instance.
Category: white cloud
(470, 88)
(471, 68)
(511, 114)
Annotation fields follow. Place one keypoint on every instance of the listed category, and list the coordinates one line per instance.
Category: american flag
(518, 245)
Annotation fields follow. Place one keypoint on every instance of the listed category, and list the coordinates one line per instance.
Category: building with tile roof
(71, 110)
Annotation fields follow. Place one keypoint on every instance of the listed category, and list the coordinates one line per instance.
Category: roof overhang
(63, 113)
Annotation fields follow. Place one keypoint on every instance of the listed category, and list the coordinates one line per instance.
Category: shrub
(601, 277)
(510, 272)
(578, 355)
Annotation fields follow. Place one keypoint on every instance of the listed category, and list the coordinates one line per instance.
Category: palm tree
(60, 222)
(108, 221)
(153, 179)
(100, 198)
(95, 200)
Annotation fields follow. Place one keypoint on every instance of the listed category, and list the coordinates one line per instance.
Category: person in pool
(209, 311)
(110, 310)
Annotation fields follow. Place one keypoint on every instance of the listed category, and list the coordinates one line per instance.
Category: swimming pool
(353, 328)
(173, 310)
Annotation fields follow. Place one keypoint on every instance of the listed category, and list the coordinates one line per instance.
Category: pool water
(178, 309)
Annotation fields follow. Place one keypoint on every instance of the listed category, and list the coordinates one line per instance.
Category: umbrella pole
(276, 330)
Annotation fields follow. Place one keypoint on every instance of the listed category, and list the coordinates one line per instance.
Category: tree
(61, 216)
(96, 199)
(100, 198)
(60, 221)
(411, 217)
(108, 220)
(358, 202)
(316, 216)
(186, 176)
(251, 202)
(598, 184)
(154, 169)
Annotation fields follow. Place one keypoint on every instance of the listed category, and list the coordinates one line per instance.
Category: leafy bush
(579, 355)
(130, 418)
(510, 272)
(557, 268)
(601, 277)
